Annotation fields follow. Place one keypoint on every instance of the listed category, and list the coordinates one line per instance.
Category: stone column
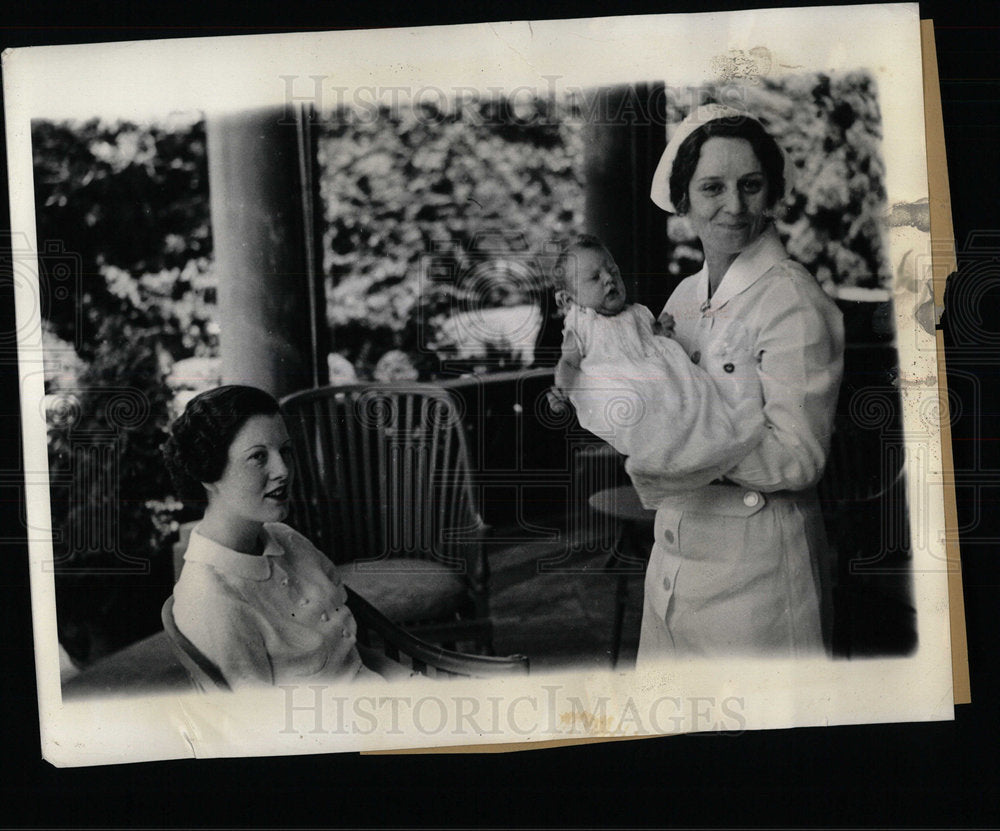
(624, 138)
(271, 314)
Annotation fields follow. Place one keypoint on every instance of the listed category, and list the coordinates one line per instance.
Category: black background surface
(940, 774)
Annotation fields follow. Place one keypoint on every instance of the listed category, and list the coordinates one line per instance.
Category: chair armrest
(385, 666)
(205, 675)
(424, 657)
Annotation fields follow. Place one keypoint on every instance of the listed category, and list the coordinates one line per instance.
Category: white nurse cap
(659, 190)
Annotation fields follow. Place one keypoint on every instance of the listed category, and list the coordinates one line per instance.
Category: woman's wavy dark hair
(198, 447)
(764, 147)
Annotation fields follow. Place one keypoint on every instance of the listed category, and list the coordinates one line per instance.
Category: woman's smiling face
(254, 486)
(727, 196)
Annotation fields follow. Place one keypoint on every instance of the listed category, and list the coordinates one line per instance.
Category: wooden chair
(375, 632)
(383, 487)
(204, 674)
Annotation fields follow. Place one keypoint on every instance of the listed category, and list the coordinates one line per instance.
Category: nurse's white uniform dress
(736, 566)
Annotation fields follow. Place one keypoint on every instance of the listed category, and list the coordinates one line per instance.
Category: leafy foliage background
(830, 126)
(432, 211)
(123, 223)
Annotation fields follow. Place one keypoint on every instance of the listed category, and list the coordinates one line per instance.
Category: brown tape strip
(512, 747)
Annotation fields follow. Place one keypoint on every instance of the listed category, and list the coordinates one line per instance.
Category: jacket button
(666, 584)
(728, 367)
(668, 535)
(695, 356)
(751, 499)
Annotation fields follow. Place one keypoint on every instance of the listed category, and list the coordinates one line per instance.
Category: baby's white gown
(636, 389)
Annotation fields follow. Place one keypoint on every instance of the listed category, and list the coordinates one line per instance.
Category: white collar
(203, 550)
(752, 263)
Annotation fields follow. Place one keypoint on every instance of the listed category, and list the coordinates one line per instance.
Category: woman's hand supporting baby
(664, 325)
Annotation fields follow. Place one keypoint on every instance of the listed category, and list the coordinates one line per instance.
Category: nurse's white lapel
(752, 263)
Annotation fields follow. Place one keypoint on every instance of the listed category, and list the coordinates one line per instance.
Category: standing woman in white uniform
(738, 562)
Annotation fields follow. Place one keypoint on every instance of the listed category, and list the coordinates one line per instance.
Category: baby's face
(594, 281)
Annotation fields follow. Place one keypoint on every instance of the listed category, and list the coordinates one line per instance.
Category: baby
(630, 382)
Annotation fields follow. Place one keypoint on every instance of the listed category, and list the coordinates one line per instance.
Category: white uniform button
(751, 499)
(668, 535)
(666, 584)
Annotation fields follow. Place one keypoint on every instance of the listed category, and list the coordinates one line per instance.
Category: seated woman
(254, 596)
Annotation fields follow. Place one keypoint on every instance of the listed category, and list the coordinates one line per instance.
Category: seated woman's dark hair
(198, 447)
(764, 147)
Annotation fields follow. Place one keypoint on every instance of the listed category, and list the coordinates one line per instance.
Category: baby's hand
(664, 325)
